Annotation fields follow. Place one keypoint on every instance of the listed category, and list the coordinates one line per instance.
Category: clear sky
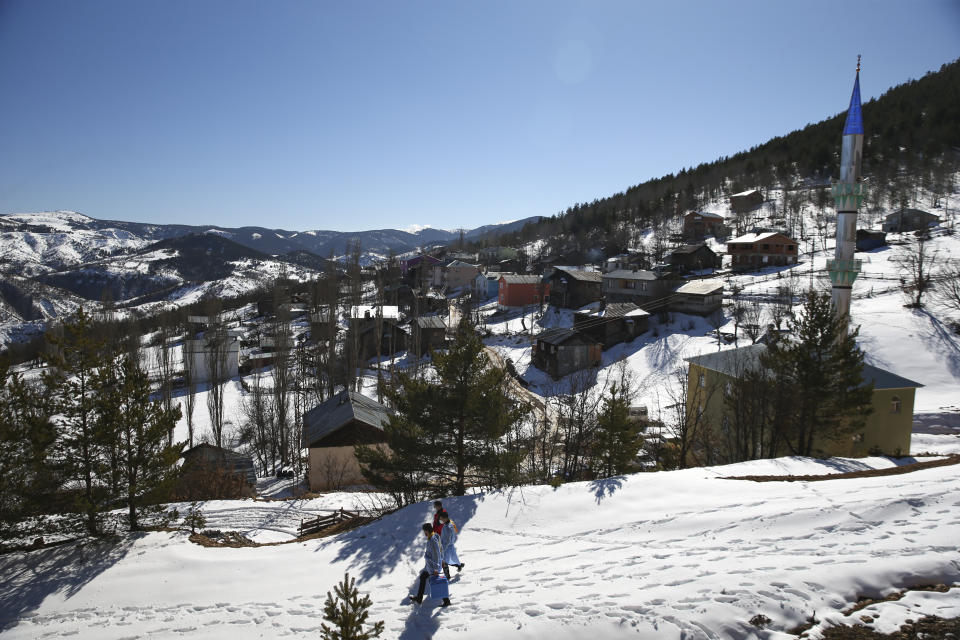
(354, 115)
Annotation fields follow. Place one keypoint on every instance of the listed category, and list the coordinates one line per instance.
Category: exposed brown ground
(892, 471)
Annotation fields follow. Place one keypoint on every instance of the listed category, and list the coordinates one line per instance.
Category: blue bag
(439, 588)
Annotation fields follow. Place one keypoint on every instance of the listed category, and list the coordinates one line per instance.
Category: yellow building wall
(333, 468)
(885, 432)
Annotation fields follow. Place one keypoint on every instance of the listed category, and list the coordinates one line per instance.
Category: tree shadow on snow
(606, 487)
(29, 577)
(397, 538)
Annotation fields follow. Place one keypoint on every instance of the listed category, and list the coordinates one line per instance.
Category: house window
(728, 388)
(895, 404)
(766, 247)
(703, 381)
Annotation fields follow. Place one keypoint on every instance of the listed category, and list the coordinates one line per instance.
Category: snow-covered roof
(750, 238)
(702, 287)
(748, 192)
(705, 214)
(629, 274)
(370, 311)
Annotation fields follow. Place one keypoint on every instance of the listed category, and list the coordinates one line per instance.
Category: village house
(699, 297)
(521, 291)
(429, 334)
(563, 351)
(746, 200)
(210, 457)
(454, 274)
(417, 271)
(211, 354)
(641, 287)
(699, 224)
(485, 285)
(332, 429)
(693, 257)
(757, 250)
(909, 220)
(320, 325)
(611, 323)
(574, 288)
(886, 431)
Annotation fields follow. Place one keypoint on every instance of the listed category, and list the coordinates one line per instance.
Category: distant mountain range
(270, 241)
(52, 262)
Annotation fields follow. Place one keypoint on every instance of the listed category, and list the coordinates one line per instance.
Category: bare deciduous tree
(917, 262)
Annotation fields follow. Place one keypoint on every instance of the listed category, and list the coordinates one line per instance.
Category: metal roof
(521, 279)
(691, 248)
(560, 336)
(580, 274)
(629, 274)
(614, 310)
(431, 322)
(705, 214)
(854, 122)
(340, 410)
(702, 287)
(757, 237)
(733, 362)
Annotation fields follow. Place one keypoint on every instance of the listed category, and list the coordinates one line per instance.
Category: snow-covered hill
(668, 555)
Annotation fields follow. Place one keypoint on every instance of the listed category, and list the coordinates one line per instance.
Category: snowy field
(681, 554)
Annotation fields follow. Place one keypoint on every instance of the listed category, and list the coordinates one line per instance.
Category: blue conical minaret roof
(854, 123)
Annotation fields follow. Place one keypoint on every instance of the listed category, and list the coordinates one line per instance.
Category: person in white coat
(448, 537)
(433, 561)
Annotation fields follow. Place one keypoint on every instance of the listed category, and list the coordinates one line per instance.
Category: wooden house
(563, 351)
(641, 287)
(758, 250)
(485, 285)
(520, 291)
(332, 429)
(746, 200)
(700, 297)
(612, 323)
(574, 288)
(909, 220)
(699, 224)
(693, 257)
(429, 333)
(212, 458)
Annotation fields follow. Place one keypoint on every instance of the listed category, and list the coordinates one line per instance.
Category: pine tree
(446, 434)
(75, 359)
(618, 438)
(28, 473)
(140, 428)
(348, 612)
(822, 367)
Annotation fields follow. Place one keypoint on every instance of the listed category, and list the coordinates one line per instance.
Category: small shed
(870, 240)
(332, 429)
(429, 333)
(563, 351)
(211, 457)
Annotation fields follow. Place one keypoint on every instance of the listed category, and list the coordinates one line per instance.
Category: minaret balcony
(848, 195)
(843, 272)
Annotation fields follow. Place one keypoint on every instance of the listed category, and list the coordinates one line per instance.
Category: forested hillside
(912, 139)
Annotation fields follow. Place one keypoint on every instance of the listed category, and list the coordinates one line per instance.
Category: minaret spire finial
(858, 63)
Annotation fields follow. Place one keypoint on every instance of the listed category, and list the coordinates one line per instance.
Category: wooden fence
(318, 524)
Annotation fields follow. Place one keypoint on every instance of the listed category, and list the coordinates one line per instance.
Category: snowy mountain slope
(683, 554)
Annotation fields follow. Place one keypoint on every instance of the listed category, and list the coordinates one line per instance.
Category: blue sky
(364, 115)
